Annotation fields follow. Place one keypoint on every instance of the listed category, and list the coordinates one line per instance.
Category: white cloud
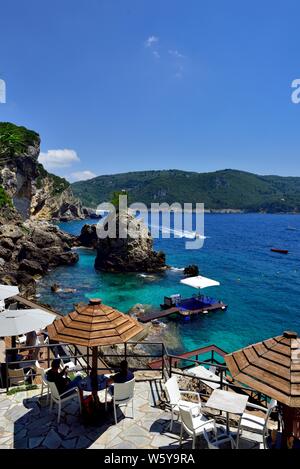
(151, 41)
(156, 54)
(60, 158)
(175, 53)
(81, 175)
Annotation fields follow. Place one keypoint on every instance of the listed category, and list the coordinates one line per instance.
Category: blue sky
(125, 85)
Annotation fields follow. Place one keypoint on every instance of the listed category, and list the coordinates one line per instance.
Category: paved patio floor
(26, 422)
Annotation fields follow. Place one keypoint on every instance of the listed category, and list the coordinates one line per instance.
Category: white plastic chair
(255, 423)
(21, 340)
(194, 425)
(45, 384)
(215, 440)
(59, 399)
(174, 395)
(122, 394)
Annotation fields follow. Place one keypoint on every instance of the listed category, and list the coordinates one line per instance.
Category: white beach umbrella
(200, 282)
(21, 321)
(6, 291)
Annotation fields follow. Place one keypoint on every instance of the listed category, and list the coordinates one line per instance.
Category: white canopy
(6, 291)
(21, 321)
(199, 282)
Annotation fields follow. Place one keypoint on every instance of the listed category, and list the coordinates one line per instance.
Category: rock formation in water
(131, 254)
(191, 270)
(88, 237)
(34, 193)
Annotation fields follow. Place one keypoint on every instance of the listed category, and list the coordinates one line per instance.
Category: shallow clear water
(261, 288)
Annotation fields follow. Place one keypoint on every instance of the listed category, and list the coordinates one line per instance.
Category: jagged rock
(88, 236)
(64, 207)
(31, 267)
(5, 253)
(11, 231)
(191, 270)
(7, 243)
(131, 254)
(91, 213)
(37, 246)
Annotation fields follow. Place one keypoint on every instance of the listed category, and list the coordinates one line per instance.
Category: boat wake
(177, 233)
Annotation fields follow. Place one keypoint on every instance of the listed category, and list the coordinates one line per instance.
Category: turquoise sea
(261, 288)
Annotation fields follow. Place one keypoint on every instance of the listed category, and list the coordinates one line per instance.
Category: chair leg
(194, 441)
(181, 433)
(172, 419)
(115, 413)
(106, 399)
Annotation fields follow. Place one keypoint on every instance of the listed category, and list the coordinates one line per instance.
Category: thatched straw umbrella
(272, 367)
(94, 325)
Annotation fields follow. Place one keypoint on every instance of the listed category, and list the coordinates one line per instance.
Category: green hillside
(226, 189)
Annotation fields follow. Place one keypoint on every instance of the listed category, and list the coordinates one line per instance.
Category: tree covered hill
(225, 189)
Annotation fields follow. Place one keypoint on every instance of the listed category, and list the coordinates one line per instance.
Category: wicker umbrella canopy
(94, 325)
(271, 367)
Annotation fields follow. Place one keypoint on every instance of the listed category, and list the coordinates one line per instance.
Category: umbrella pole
(14, 352)
(290, 425)
(94, 374)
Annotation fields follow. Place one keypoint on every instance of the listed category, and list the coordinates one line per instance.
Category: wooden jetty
(174, 310)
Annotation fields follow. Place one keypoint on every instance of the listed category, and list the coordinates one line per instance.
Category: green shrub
(15, 139)
(27, 387)
(5, 200)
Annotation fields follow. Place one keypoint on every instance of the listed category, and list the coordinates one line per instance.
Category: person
(55, 288)
(62, 382)
(122, 376)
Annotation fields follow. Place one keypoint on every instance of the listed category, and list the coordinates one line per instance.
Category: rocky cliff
(34, 193)
(29, 196)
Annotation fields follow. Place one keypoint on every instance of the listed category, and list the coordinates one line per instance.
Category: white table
(201, 372)
(229, 402)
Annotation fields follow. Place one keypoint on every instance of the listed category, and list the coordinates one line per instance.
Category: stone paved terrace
(26, 422)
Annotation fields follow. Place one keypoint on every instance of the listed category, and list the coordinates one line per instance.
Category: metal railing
(73, 353)
(165, 363)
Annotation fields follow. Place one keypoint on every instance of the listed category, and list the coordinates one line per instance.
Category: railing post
(221, 378)
(170, 366)
(7, 379)
(48, 356)
(162, 361)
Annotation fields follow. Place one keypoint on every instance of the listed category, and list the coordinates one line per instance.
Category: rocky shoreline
(28, 250)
